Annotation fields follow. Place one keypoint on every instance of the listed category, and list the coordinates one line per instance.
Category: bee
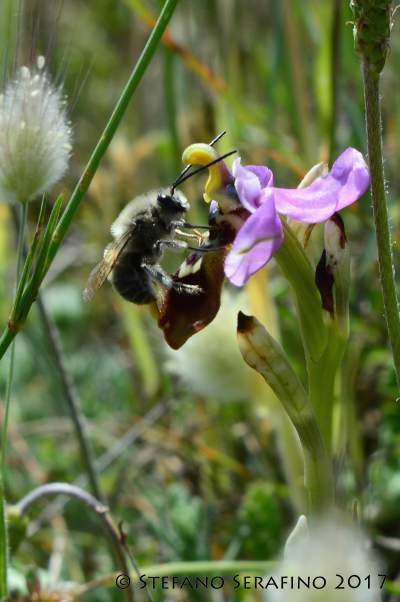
(141, 232)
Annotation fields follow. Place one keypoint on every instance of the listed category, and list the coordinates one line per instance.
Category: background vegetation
(192, 466)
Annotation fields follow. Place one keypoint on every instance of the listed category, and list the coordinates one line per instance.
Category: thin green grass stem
(383, 236)
(7, 402)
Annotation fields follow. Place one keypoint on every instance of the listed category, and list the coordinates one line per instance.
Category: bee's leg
(159, 275)
(191, 289)
(187, 234)
(181, 244)
(181, 224)
(199, 237)
(171, 244)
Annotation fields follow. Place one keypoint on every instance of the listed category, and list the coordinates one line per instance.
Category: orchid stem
(321, 381)
(383, 237)
(317, 465)
(7, 404)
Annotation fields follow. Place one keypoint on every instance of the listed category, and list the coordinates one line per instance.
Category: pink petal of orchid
(249, 182)
(257, 240)
(346, 182)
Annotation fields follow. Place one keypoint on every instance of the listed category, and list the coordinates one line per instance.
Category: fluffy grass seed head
(327, 548)
(35, 135)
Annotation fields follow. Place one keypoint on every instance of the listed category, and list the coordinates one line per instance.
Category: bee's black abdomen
(131, 281)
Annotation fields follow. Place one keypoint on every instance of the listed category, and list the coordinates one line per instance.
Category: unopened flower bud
(35, 136)
(371, 28)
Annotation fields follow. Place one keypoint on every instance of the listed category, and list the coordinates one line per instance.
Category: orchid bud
(371, 29)
(35, 135)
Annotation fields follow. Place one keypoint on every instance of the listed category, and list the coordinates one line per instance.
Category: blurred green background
(186, 447)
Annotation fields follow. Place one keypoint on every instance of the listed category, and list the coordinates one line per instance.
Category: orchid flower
(261, 234)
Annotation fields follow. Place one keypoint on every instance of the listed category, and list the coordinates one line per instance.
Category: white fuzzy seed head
(35, 135)
(328, 548)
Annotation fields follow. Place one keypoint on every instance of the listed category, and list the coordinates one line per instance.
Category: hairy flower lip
(261, 234)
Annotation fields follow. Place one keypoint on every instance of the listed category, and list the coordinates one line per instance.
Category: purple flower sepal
(261, 235)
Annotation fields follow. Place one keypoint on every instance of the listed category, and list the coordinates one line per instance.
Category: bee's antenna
(217, 138)
(203, 167)
(184, 171)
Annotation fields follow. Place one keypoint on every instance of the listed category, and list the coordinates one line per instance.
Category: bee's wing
(100, 272)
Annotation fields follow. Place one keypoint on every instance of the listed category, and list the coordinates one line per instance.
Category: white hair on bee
(35, 134)
(138, 205)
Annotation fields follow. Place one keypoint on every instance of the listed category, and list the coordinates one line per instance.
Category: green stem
(98, 153)
(7, 403)
(297, 269)
(321, 381)
(317, 464)
(383, 237)
(3, 542)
